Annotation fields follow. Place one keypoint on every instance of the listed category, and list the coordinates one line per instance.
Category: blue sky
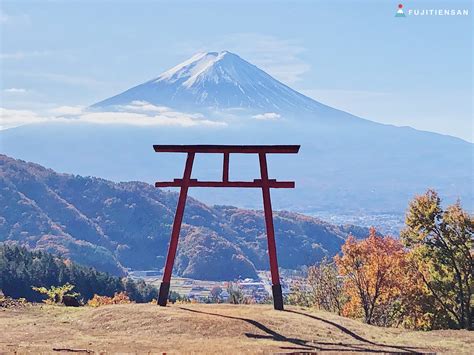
(353, 55)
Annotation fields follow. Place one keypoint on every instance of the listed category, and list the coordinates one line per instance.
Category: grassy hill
(209, 329)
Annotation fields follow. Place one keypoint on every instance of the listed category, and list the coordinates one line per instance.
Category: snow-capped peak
(193, 68)
(217, 80)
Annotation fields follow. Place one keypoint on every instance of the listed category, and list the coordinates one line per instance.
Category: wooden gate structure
(264, 183)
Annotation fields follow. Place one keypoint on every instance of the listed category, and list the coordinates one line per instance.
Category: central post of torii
(264, 183)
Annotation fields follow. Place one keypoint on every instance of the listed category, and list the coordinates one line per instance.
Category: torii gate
(264, 183)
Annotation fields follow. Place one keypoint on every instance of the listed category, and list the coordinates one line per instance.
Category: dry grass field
(147, 328)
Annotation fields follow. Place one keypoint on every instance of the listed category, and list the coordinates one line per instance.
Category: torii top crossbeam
(242, 149)
(264, 183)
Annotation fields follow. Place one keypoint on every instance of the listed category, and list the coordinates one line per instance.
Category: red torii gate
(264, 183)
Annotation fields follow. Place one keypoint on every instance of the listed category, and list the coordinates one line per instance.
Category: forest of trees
(423, 280)
(21, 270)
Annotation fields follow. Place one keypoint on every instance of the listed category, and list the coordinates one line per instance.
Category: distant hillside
(113, 226)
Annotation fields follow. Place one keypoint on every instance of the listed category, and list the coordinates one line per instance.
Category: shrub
(56, 294)
(118, 298)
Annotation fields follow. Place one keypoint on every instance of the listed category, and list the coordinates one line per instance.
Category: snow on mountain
(216, 80)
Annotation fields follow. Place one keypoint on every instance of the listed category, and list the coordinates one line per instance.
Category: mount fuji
(219, 81)
(347, 165)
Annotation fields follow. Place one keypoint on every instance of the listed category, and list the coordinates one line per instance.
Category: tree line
(423, 280)
(21, 270)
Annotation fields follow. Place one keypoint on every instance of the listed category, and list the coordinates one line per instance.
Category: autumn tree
(325, 287)
(372, 269)
(299, 294)
(413, 306)
(442, 247)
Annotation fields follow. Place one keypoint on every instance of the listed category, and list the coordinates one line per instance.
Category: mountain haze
(346, 165)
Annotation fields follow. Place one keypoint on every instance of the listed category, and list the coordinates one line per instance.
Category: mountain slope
(219, 80)
(112, 226)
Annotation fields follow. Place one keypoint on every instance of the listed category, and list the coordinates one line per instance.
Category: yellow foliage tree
(373, 270)
(56, 294)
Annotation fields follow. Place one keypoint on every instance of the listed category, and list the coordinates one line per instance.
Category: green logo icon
(400, 12)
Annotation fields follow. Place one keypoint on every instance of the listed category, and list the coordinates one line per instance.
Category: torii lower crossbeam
(264, 183)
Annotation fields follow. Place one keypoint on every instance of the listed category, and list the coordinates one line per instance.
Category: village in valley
(204, 291)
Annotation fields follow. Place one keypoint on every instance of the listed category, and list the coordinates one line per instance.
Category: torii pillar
(264, 183)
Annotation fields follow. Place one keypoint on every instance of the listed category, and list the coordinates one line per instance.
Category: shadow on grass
(308, 345)
(405, 349)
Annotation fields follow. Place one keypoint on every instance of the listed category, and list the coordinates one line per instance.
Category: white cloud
(15, 91)
(138, 119)
(143, 106)
(73, 114)
(13, 118)
(67, 110)
(267, 116)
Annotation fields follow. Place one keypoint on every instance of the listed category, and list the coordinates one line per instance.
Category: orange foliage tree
(374, 271)
(118, 298)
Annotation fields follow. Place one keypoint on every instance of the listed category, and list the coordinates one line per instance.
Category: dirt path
(208, 328)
